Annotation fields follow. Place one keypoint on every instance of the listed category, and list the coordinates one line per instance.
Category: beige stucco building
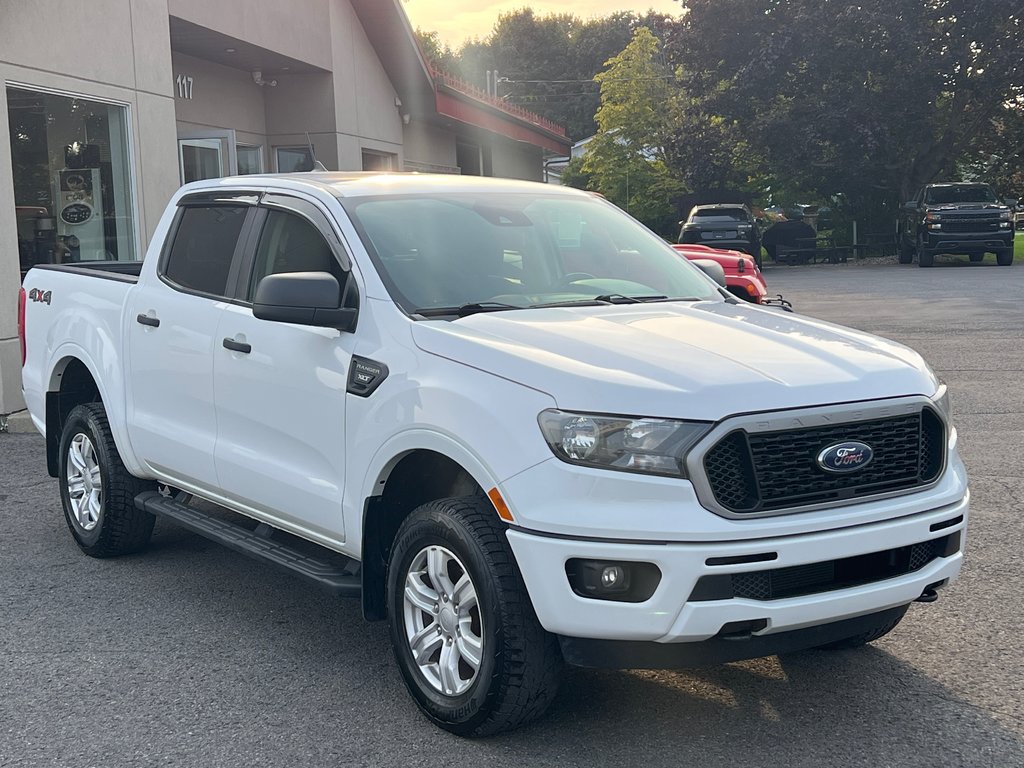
(110, 107)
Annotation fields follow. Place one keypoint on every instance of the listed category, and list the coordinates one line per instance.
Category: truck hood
(701, 360)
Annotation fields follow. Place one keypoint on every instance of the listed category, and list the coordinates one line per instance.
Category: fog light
(612, 577)
(627, 582)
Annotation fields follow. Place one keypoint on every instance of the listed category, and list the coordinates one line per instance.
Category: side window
(290, 243)
(204, 246)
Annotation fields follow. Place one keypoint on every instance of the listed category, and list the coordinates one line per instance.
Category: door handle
(237, 346)
(152, 322)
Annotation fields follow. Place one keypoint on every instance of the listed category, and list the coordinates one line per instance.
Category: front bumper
(637, 654)
(668, 616)
(968, 242)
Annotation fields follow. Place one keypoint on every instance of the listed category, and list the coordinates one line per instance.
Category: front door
(280, 388)
(206, 155)
(172, 342)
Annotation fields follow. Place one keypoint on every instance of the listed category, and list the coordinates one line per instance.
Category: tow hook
(930, 595)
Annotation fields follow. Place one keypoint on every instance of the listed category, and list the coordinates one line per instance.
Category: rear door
(172, 337)
(280, 389)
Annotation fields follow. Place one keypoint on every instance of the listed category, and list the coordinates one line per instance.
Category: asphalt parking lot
(192, 655)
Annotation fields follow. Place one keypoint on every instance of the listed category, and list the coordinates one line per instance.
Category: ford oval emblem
(845, 457)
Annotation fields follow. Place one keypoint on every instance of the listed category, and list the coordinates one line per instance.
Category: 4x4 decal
(37, 295)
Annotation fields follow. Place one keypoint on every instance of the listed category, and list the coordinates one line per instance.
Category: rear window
(204, 246)
(720, 214)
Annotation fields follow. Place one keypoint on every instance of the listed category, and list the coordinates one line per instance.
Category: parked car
(743, 278)
(507, 417)
(957, 218)
(729, 226)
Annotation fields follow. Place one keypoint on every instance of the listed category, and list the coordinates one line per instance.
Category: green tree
(439, 54)
(547, 62)
(626, 158)
(870, 100)
(997, 154)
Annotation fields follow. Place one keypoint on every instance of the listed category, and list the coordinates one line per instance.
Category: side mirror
(1011, 202)
(910, 207)
(303, 298)
(712, 269)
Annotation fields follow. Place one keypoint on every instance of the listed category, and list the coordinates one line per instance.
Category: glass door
(200, 159)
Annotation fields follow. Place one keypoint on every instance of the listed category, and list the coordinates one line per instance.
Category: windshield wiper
(621, 298)
(466, 309)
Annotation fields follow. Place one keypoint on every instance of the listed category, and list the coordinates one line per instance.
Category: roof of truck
(359, 184)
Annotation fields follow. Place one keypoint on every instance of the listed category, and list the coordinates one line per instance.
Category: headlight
(941, 400)
(1004, 215)
(650, 446)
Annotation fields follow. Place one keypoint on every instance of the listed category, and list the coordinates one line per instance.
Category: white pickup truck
(514, 422)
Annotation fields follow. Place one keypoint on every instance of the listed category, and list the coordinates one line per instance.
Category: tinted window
(204, 245)
(724, 214)
(290, 243)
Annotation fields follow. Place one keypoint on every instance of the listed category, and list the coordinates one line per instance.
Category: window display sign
(72, 185)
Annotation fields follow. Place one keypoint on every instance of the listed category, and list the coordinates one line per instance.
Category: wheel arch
(72, 382)
(411, 476)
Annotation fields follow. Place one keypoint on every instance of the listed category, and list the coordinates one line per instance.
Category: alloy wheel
(85, 482)
(443, 625)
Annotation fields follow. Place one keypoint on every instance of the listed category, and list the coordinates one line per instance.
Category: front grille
(797, 580)
(760, 472)
(969, 225)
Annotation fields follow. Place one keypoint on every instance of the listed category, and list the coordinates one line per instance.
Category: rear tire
(501, 667)
(96, 491)
(865, 637)
(1004, 258)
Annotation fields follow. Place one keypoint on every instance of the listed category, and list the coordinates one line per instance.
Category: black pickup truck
(956, 218)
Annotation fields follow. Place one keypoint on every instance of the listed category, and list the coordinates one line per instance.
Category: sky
(456, 20)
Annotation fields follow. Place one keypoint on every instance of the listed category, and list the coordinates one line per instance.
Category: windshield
(960, 193)
(509, 251)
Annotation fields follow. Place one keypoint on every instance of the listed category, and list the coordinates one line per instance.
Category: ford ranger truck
(957, 218)
(506, 417)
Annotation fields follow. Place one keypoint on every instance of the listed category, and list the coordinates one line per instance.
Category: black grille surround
(969, 223)
(775, 472)
(825, 576)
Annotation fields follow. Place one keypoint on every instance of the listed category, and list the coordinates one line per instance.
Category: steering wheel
(572, 277)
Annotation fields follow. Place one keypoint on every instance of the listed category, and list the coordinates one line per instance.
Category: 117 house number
(184, 83)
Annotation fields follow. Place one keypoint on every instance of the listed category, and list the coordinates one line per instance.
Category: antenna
(317, 165)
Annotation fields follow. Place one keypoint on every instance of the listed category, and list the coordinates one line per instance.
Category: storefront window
(250, 159)
(292, 159)
(72, 184)
(200, 159)
(378, 161)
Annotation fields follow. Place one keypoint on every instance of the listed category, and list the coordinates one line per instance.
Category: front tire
(906, 253)
(463, 630)
(1004, 258)
(96, 491)
(925, 258)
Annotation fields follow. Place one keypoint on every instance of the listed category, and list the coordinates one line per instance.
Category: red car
(742, 277)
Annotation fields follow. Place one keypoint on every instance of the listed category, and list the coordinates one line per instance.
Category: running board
(341, 581)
